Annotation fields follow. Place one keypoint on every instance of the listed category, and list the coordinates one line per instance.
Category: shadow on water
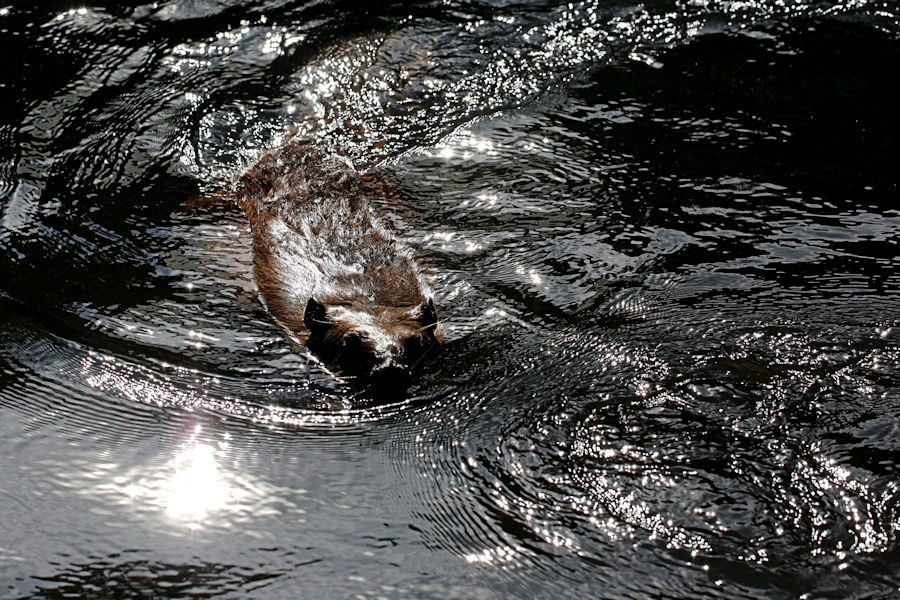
(664, 239)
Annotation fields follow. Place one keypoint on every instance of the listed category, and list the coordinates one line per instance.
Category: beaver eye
(352, 340)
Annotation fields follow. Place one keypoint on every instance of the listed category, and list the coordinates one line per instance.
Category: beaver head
(381, 346)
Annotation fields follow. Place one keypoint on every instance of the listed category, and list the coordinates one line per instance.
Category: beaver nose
(390, 379)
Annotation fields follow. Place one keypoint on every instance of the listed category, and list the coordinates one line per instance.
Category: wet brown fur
(331, 268)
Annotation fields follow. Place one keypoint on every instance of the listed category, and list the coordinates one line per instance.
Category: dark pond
(664, 239)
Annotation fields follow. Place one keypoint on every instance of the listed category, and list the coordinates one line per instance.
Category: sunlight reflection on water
(197, 488)
(189, 489)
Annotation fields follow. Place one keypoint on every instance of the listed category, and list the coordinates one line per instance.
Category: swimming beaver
(330, 268)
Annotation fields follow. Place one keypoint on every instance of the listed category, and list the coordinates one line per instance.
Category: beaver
(331, 269)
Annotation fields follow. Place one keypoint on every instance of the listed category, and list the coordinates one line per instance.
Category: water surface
(664, 240)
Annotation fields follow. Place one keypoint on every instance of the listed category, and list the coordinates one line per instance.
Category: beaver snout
(390, 379)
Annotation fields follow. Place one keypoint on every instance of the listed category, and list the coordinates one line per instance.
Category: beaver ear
(315, 317)
(427, 313)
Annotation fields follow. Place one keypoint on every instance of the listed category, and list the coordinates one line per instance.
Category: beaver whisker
(435, 324)
(421, 358)
(320, 379)
(362, 392)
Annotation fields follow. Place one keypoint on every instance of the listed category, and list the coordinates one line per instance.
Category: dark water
(664, 238)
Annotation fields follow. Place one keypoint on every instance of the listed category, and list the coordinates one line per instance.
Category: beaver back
(317, 233)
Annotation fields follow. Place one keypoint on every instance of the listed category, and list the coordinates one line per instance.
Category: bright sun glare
(197, 488)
